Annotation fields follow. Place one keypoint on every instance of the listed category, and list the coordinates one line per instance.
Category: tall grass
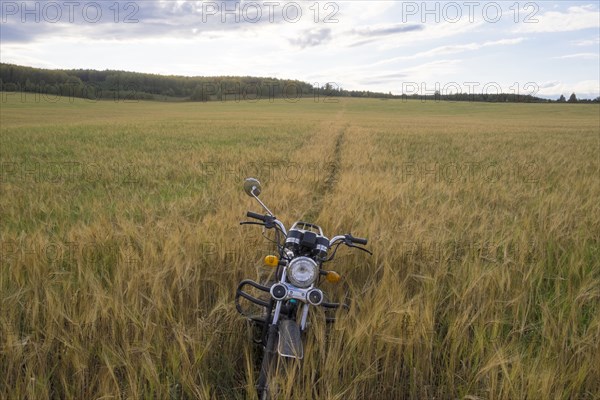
(121, 248)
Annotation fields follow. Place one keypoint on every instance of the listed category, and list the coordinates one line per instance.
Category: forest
(125, 85)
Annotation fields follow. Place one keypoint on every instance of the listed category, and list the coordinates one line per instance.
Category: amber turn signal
(333, 277)
(272, 261)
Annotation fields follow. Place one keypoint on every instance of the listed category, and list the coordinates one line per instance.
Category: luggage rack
(306, 226)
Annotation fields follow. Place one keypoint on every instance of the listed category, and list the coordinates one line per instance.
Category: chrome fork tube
(304, 316)
(277, 312)
(278, 306)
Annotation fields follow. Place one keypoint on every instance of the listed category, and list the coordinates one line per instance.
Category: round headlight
(302, 272)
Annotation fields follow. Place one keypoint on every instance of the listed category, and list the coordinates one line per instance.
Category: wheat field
(121, 248)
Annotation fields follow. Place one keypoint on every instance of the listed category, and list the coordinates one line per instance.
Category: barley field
(121, 248)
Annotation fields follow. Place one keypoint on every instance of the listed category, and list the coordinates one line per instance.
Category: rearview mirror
(252, 187)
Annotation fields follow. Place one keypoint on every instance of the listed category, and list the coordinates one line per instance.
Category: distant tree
(573, 98)
(561, 99)
(198, 94)
(10, 87)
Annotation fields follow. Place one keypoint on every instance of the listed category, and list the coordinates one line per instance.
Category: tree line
(124, 85)
(108, 84)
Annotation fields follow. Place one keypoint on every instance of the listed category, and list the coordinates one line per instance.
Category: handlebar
(348, 239)
(254, 215)
(269, 221)
(357, 240)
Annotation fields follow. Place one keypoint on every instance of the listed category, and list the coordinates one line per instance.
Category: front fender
(290, 340)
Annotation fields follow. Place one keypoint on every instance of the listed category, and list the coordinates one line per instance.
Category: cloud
(385, 78)
(362, 42)
(12, 33)
(312, 38)
(583, 56)
(583, 89)
(429, 34)
(134, 20)
(369, 34)
(451, 49)
(365, 35)
(24, 57)
(574, 19)
(432, 69)
(385, 30)
(417, 75)
(587, 42)
(550, 84)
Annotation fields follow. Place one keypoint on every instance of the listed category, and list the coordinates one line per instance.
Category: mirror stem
(262, 204)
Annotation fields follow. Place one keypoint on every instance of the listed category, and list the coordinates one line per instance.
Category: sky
(543, 48)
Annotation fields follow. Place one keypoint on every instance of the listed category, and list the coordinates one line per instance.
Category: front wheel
(266, 365)
(275, 370)
(280, 376)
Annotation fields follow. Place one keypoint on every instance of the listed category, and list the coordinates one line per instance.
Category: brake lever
(360, 248)
(251, 223)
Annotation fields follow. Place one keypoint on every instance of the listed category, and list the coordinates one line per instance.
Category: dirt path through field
(333, 134)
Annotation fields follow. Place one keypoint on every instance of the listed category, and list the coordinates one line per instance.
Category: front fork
(268, 355)
(303, 319)
(270, 352)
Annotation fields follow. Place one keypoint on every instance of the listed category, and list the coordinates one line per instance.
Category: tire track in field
(333, 166)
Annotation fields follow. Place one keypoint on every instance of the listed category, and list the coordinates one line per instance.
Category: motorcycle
(285, 306)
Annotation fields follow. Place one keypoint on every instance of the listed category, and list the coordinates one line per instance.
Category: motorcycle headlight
(302, 272)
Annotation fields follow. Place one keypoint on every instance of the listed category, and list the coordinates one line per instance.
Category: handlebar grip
(357, 240)
(251, 214)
